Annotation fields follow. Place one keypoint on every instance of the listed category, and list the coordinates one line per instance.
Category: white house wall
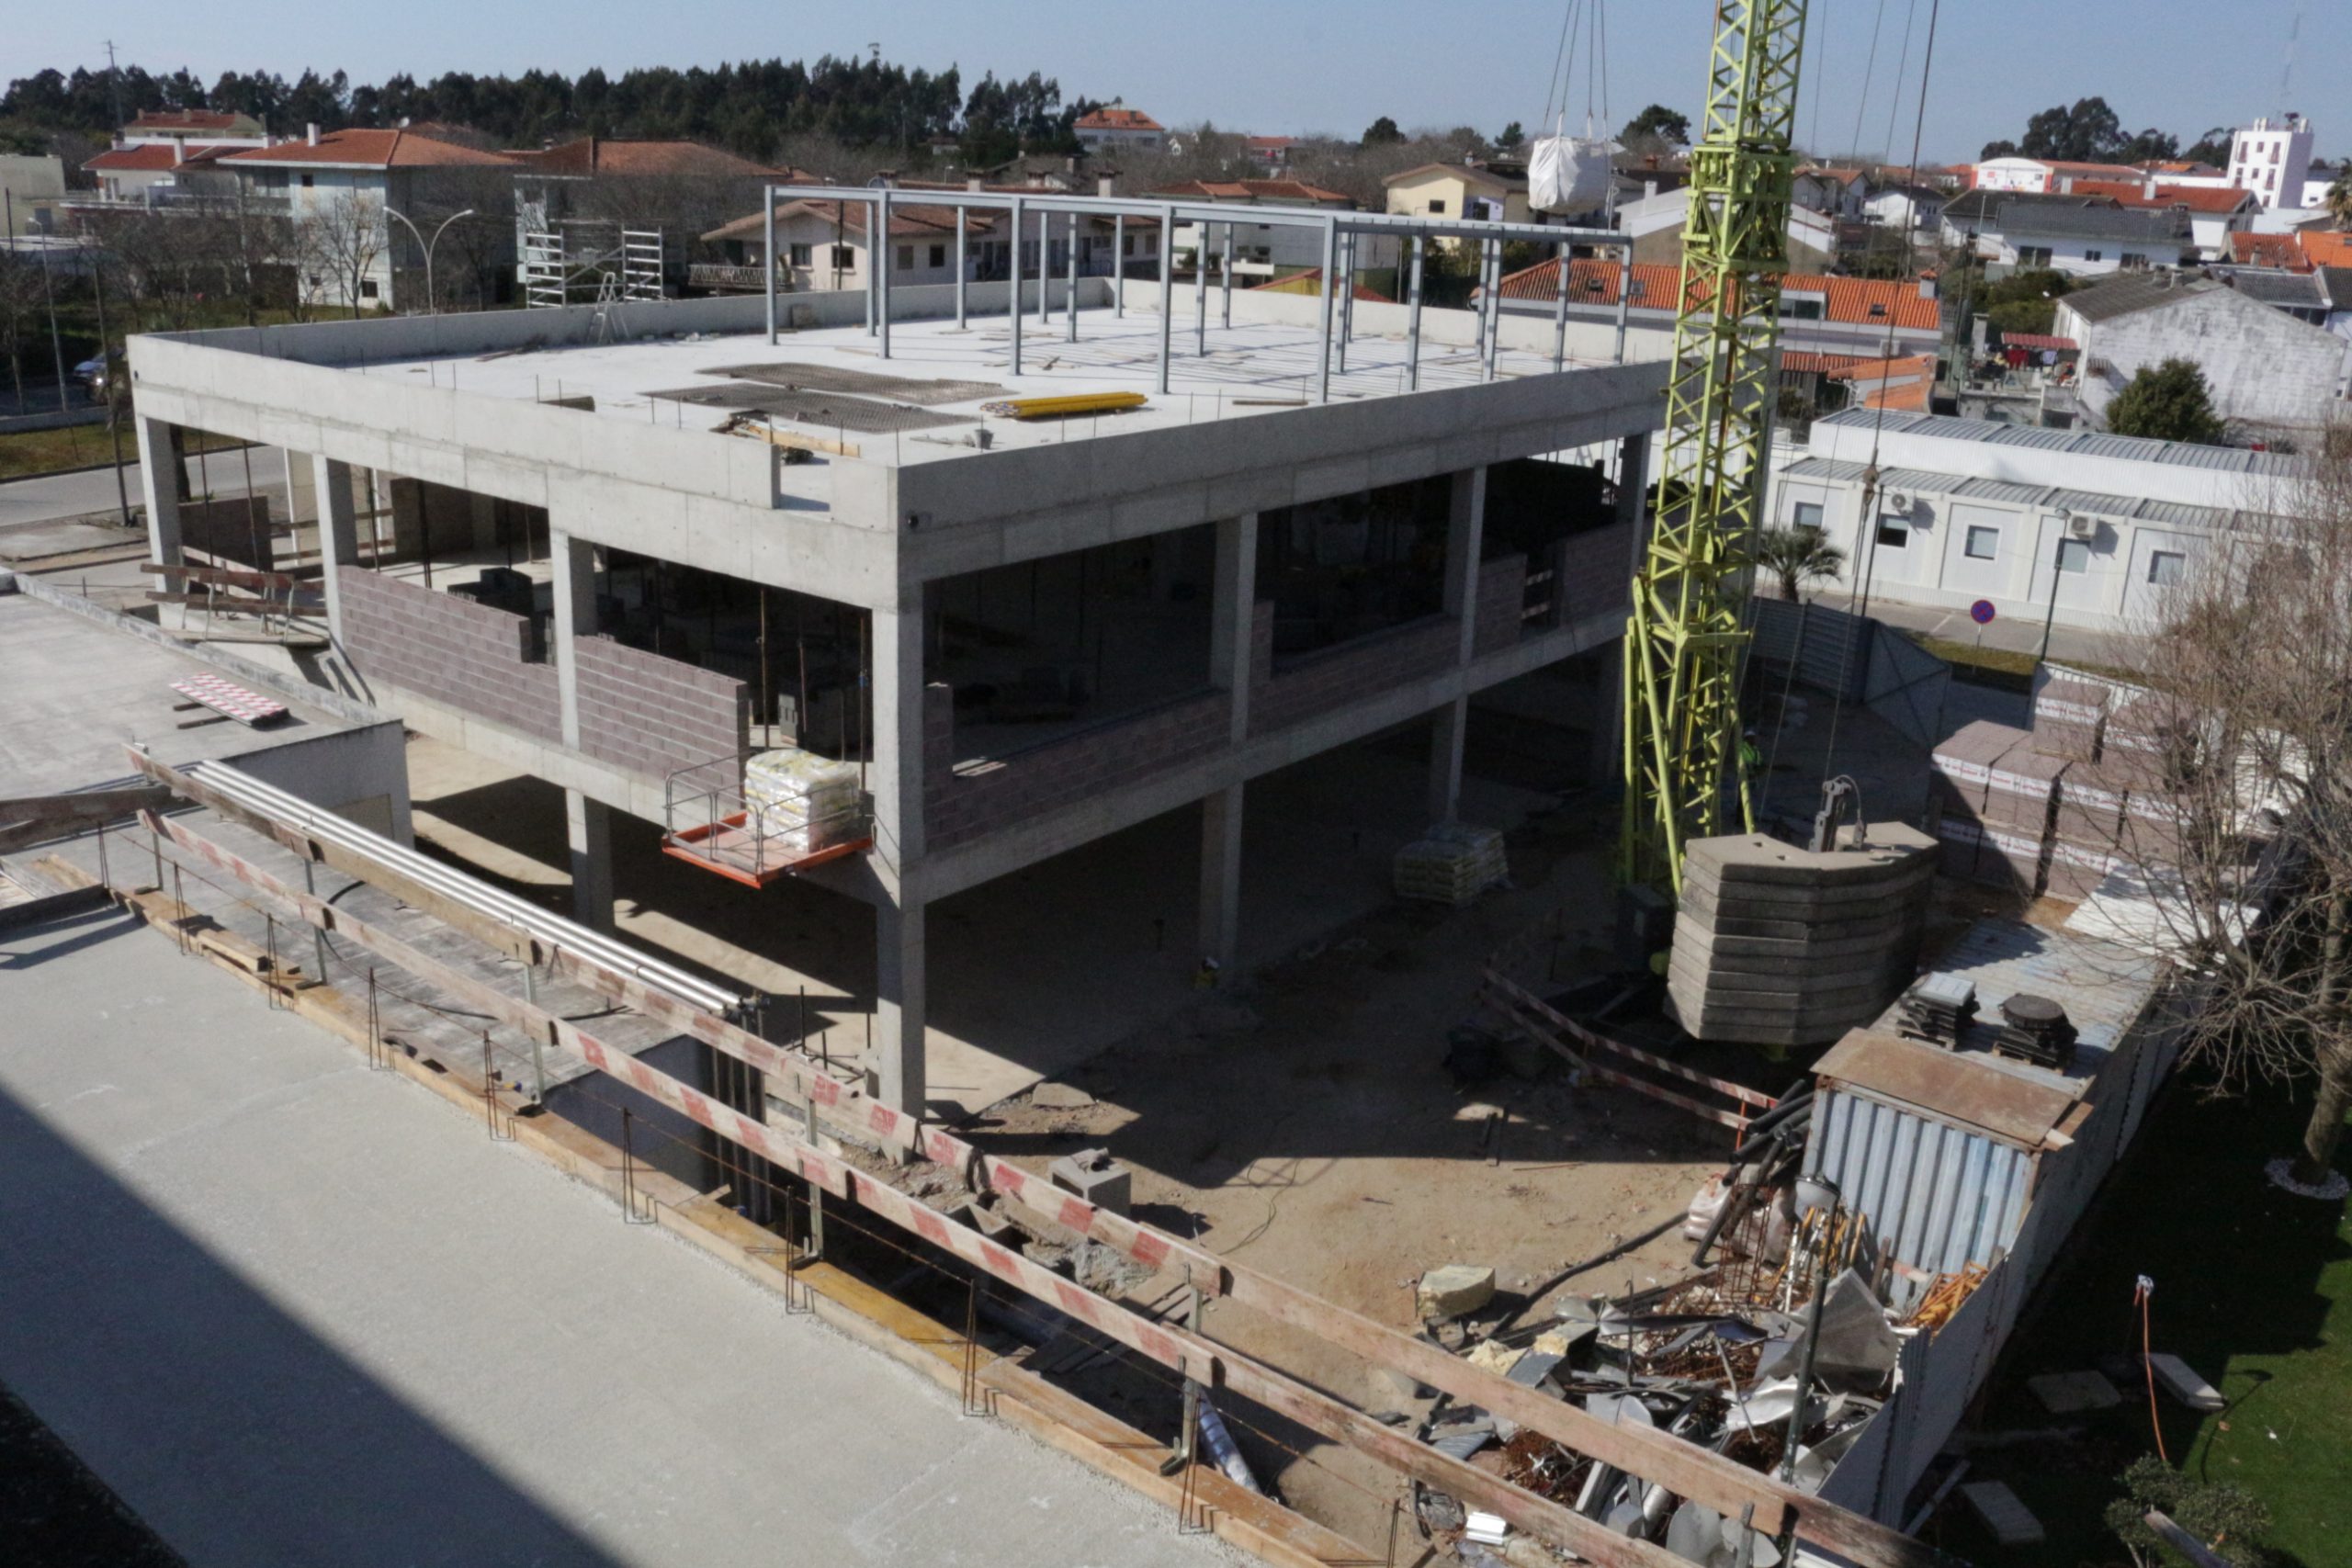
(2263, 366)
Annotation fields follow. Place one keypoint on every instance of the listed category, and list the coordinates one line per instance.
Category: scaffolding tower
(589, 261)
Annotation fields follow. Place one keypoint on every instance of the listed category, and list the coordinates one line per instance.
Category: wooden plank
(1202, 1361)
(805, 442)
(30, 819)
(224, 578)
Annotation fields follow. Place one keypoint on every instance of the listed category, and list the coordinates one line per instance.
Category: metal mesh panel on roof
(2001, 490)
(1822, 469)
(2222, 459)
(2187, 515)
(2135, 447)
(2092, 501)
(2035, 436)
(1917, 479)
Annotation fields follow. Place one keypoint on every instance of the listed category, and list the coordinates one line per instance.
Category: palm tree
(1798, 555)
(2339, 198)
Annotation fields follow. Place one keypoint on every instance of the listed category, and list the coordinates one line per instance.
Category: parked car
(92, 374)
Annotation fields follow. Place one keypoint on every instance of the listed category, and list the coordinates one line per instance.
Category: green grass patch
(2253, 1290)
(25, 453)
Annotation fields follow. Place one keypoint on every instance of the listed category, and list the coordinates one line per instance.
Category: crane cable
(1593, 20)
(1878, 425)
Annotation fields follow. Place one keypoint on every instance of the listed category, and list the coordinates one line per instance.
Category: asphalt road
(53, 496)
(294, 1312)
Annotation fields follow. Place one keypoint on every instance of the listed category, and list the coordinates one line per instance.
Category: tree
(1382, 132)
(2228, 1518)
(2246, 661)
(1513, 138)
(1992, 149)
(1655, 126)
(2212, 148)
(2167, 403)
(340, 238)
(2339, 198)
(2025, 301)
(1797, 556)
(2089, 133)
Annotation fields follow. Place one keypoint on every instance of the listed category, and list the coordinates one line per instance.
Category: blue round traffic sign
(1981, 612)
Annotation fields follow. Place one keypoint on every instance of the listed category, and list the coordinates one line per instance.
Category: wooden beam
(30, 819)
(1179, 1350)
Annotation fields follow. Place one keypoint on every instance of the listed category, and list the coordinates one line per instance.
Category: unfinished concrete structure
(1321, 525)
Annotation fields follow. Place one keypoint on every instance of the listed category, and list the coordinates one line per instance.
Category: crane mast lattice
(1684, 642)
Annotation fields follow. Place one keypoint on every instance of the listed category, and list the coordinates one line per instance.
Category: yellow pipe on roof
(1055, 408)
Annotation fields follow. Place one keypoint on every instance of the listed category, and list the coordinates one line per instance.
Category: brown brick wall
(472, 656)
(1366, 667)
(1502, 596)
(1004, 790)
(652, 714)
(1596, 573)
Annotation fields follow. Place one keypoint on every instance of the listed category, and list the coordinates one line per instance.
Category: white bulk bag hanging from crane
(1569, 174)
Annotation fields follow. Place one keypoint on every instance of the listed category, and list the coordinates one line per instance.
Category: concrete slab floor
(76, 690)
(295, 1312)
(1029, 973)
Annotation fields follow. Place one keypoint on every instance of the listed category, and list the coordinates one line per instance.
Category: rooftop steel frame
(1333, 224)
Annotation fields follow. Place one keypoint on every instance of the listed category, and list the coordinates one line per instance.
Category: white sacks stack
(800, 802)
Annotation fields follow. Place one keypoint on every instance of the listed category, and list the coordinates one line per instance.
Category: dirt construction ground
(1306, 1121)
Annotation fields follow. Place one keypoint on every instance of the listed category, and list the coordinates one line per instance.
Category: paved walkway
(47, 496)
(296, 1313)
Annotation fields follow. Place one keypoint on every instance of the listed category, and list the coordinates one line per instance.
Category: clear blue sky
(1276, 66)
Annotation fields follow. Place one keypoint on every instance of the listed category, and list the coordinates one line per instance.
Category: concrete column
(588, 824)
(338, 531)
(159, 484)
(1449, 725)
(406, 499)
(900, 1011)
(1232, 614)
(485, 519)
(588, 834)
(1221, 875)
(1466, 533)
(896, 782)
(1608, 757)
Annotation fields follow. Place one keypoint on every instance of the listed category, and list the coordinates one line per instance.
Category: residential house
(347, 185)
(1262, 251)
(1459, 190)
(2086, 527)
(1270, 154)
(1912, 208)
(2087, 242)
(2302, 294)
(1840, 194)
(1115, 126)
(1655, 223)
(159, 174)
(597, 185)
(824, 244)
(2214, 213)
(209, 127)
(1972, 213)
(1852, 316)
(2266, 369)
(2043, 176)
(32, 186)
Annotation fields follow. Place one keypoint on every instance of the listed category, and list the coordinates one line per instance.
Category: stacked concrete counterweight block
(1775, 945)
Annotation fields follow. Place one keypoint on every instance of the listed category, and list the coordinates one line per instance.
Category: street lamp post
(430, 304)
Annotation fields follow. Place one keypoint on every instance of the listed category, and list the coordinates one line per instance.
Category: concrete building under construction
(623, 548)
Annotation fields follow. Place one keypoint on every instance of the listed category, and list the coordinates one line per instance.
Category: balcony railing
(720, 276)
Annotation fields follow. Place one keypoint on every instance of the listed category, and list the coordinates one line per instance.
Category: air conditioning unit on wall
(2081, 526)
(1895, 504)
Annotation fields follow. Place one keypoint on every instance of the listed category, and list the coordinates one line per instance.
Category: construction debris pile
(1775, 1356)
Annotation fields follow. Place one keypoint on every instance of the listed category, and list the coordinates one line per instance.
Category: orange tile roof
(157, 156)
(1311, 282)
(1117, 118)
(2197, 199)
(1270, 144)
(1804, 362)
(598, 155)
(1657, 285)
(1911, 396)
(906, 221)
(2267, 250)
(1249, 190)
(372, 150)
(2325, 247)
(1885, 369)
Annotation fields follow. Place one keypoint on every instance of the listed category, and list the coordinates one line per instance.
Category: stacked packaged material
(799, 801)
(1994, 795)
(1936, 1007)
(1453, 863)
(2069, 717)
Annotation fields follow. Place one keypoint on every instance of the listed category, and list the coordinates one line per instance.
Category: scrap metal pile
(1775, 1356)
